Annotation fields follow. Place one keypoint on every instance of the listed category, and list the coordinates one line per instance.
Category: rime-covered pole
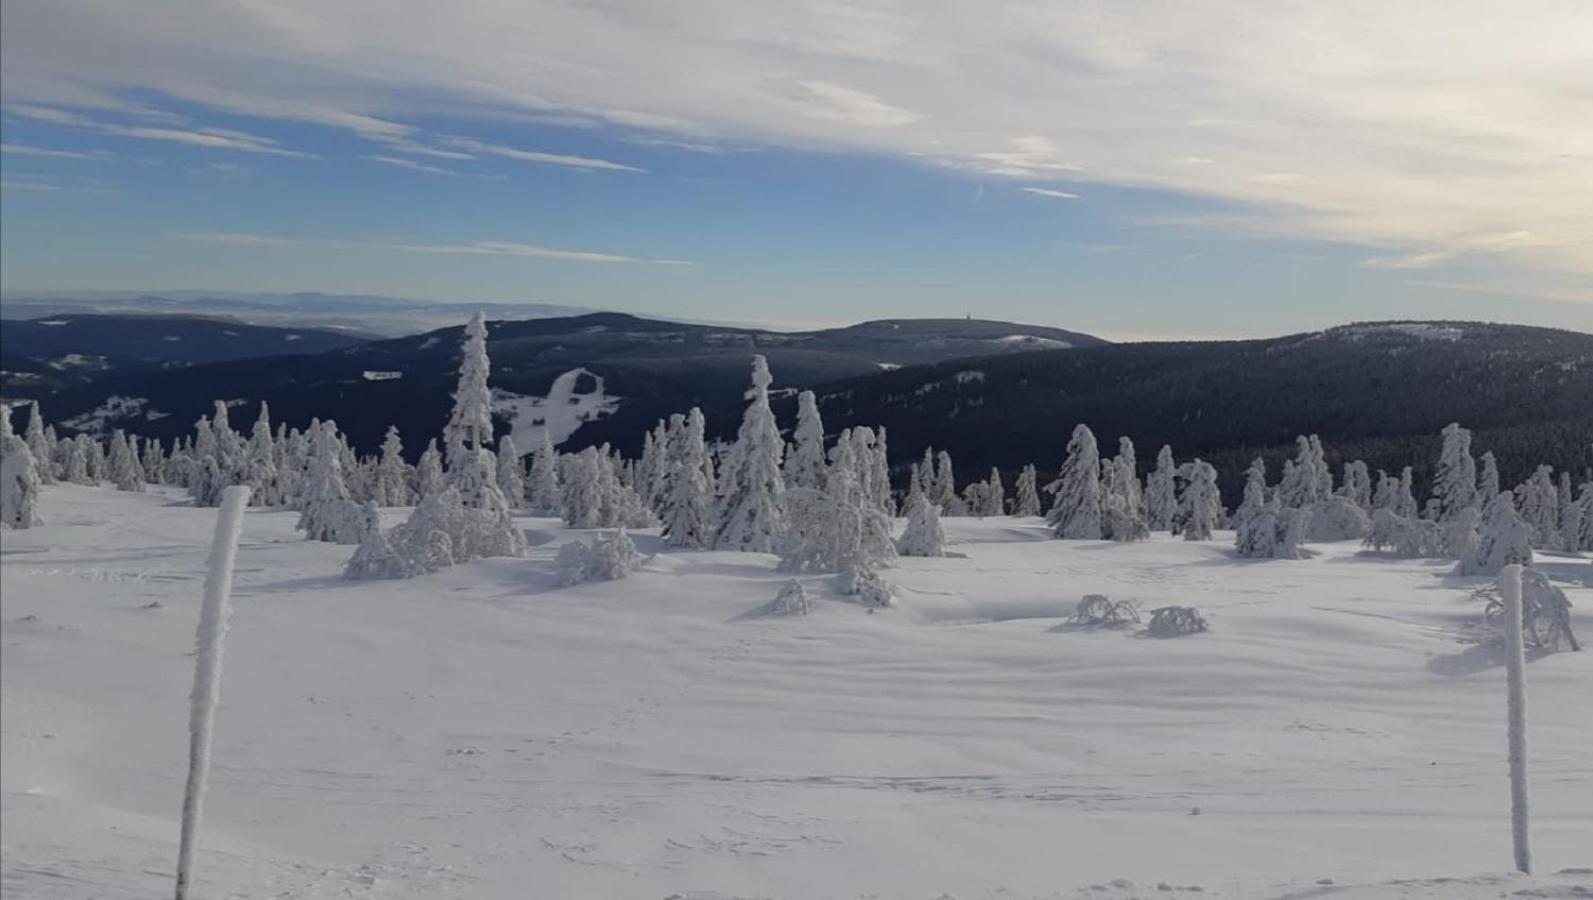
(213, 617)
(1515, 666)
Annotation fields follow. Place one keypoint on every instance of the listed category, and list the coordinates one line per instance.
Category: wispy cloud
(1048, 192)
(411, 165)
(824, 100)
(48, 153)
(471, 145)
(471, 248)
(213, 138)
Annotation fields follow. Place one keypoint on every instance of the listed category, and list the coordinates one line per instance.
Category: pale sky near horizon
(1149, 169)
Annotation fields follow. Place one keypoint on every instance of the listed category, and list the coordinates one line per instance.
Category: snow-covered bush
(868, 586)
(1101, 610)
(1545, 612)
(791, 601)
(608, 558)
(1337, 518)
(1173, 621)
(1408, 538)
(923, 535)
(441, 532)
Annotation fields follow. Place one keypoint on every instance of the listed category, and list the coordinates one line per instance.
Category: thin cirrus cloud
(212, 138)
(468, 248)
(411, 165)
(48, 153)
(1320, 121)
(1050, 192)
(473, 146)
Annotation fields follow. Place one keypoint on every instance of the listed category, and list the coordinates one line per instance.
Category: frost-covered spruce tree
(926, 475)
(1488, 481)
(1161, 492)
(391, 486)
(20, 483)
(325, 512)
(621, 506)
(836, 530)
(688, 513)
(543, 496)
(750, 513)
(260, 463)
(1202, 502)
(441, 532)
(470, 422)
(1455, 480)
(1076, 510)
(1026, 501)
(923, 535)
(994, 498)
(582, 498)
(944, 493)
(1300, 487)
(1539, 504)
(650, 476)
(1404, 499)
(511, 478)
(1123, 514)
(1504, 539)
(1584, 505)
(474, 474)
(153, 456)
(880, 479)
(76, 470)
(93, 459)
(429, 478)
(123, 465)
(40, 445)
(1357, 487)
(804, 467)
(1409, 538)
(1255, 521)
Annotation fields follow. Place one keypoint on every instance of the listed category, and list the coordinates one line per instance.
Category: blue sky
(801, 164)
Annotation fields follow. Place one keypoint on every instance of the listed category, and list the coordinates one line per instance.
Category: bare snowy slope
(483, 733)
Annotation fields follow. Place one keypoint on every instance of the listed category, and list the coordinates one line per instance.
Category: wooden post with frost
(1516, 712)
(213, 615)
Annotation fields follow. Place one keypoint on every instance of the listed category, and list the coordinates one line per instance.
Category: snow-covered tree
(990, 498)
(1357, 487)
(1488, 481)
(391, 484)
(1301, 485)
(40, 444)
(944, 492)
(1576, 525)
(325, 511)
(429, 477)
(1076, 510)
(1539, 503)
(470, 423)
(260, 463)
(750, 513)
(688, 512)
(1161, 490)
(441, 532)
(76, 469)
(124, 470)
(1504, 539)
(1027, 499)
(543, 495)
(1123, 514)
(1455, 481)
(155, 460)
(1409, 538)
(1202, 502)
(837, 529)
(805, 467)
(1255, 521)
(20, 482)
(923, 535)
(511, 477)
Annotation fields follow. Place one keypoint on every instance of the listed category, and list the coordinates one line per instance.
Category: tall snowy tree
(20, 483)
(325, 511)
(1301, 485)
(1076, 510)
(837, 529)
(123, 467)
(1161, 490)
(1027, 499)
(1539, 503)
(40, 444)
(688, 513)
(511, 478)
(1504, 539)
(1455, 481)
(1123, 515)
(543, 495)
(391, 487)
(260, 463)
(1488, 481)
(944, 493)
(1202, 503)
(1357, 487)
(429, 478)
(470, 423)
(804, 467)
(750, 514)
(76, 469)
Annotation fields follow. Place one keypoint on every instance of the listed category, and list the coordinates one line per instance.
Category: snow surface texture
(484, 733)
(560, 413)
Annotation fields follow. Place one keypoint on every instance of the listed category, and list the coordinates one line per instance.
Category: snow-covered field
(484, 733)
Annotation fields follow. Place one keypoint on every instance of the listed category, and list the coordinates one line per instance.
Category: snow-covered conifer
(391, 484)
(325, 512)
(1300, 487)
(511, 476)
(40, 444)
(1202, 502)
(750, 513)
(1255, 521)
(993, 500)
(836, 530)
(1504, 539)
(805, 467)
(1076, 511)
(543, 496)
(1455, 480)
(441, 532)
(1488, 481)
(1539, 503)
(1357, 487)
(944, 493)
(123, 466)
(260, 463)
(923, 535)
(1027, 499)
(1409, 538)
(1123, 514)
(688, 513)
(429, 478)
(154, 459)
(20, 482)
(1161, 490)
(470, 422)
(1404, 499)
(76, 469)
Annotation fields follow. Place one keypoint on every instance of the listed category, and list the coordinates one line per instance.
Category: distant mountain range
(992, 393)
